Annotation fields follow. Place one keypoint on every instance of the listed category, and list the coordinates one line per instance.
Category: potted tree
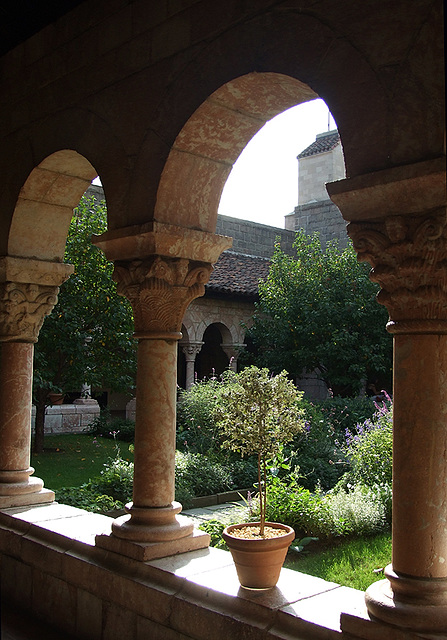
(259, 413)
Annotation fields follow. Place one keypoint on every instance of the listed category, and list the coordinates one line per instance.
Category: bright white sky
(263, 184)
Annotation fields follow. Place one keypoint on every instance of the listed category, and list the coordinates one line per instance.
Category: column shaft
(420, 456)
(16, 374)
(189, 373)
(16, 367)
(154, 479)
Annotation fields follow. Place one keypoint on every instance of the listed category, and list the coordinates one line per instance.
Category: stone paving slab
(227, 513)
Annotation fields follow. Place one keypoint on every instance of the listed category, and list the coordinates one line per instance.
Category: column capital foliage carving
(409, 260)
(160, 290)
(23, 308)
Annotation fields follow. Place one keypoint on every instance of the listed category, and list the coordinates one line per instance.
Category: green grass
(69, 460)
(350, 563)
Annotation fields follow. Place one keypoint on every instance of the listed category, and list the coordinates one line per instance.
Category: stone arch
(211, 141)
(266, 50)
(45, 206)
(75, 142)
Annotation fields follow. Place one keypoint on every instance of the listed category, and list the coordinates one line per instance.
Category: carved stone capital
(232, 351)
(23, 307)
(28, 293)
(409, 260)
(191, 350)
(159, 290)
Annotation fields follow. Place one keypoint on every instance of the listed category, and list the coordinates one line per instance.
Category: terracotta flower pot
(259, 561)
(56, 398)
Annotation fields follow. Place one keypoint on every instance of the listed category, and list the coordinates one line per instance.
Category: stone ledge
(192, 594)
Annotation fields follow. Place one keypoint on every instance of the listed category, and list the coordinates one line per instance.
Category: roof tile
(237, 274)
(322, 144)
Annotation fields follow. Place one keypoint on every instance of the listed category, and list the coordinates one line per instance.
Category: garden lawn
(351, 563)
(69, 460)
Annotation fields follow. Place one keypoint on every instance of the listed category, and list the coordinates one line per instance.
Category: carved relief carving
(409, 260)
(160, 290)
(23, 307)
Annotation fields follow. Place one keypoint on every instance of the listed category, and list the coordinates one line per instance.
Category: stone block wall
(68, 418)
(253, 238)
(324, 217)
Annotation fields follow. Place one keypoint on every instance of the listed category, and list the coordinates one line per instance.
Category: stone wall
(323, 217)
(253, 238)
(68, 418)
(316, 170)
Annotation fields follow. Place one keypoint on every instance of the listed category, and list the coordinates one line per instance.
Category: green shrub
(197, 429)
(360, 511)
(292, 504)
(86, 497)
(202, 476)
(215, 529)
(115, 480)
(316, 450)
(321, 451)
(244, 473)
(345, 413)
(107, 427)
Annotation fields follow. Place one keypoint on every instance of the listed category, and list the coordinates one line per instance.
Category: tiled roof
(237, 274)
(324, 142)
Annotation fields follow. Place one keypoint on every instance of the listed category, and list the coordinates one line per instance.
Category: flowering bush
(370, 448)
(359, 511)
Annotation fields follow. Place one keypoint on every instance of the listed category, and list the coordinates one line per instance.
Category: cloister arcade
(158, 99)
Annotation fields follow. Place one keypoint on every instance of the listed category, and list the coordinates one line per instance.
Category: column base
(149, 533)
(413, 604)
(19, 481)
(144, 551)
(44, 496)
(152, 524)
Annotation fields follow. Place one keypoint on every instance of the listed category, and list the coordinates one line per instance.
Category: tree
(318, 312)
(259, 413)
(88, 336)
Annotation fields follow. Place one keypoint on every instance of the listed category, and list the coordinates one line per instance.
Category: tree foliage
(318, 312)
(88, 336)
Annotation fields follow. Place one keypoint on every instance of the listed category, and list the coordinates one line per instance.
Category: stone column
(409, 262)
(159, 288)
(232, 352)
(397, 222)
(191, 350)
(28, 292)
